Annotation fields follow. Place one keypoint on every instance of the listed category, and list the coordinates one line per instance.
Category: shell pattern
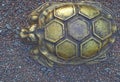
(70, 33)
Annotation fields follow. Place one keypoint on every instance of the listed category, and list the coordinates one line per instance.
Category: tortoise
(70, 33)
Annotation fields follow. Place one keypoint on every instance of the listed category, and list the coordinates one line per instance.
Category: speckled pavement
(17, 66)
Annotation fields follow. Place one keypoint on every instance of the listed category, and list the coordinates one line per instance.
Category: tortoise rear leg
(99, 59)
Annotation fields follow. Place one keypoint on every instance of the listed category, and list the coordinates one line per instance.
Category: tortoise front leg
(36, 55)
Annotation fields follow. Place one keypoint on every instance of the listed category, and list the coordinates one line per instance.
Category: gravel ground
(17, 66)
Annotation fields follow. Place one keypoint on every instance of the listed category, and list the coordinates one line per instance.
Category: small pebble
(20, 67)
(0, 31)
(3, 4)
(8, 26)
(18, 28)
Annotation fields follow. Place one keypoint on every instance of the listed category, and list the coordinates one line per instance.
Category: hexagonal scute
(64, 12)
(90, 47)
(89, 11)
(54, 31)
(66, 49)
(102, 28)
(78, 29)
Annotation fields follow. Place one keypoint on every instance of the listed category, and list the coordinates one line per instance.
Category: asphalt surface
(17, 66)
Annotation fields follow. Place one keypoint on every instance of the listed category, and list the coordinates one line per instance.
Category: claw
(114, 28)
(24, 33)
(35, 51)
(112, 40)
(32, 37)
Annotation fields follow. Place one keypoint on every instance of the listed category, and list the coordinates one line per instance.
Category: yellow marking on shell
(54, 31)
(64, 12)
(89, 11)
(49, 16)
(102, 28)
(66, 50)
(90, 48)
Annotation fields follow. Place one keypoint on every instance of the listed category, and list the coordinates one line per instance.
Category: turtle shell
(73, 33)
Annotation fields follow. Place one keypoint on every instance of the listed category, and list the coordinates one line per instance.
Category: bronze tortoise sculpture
(70, 33)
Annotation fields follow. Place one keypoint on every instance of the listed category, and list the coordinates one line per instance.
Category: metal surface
(78, 32)
(16, 65)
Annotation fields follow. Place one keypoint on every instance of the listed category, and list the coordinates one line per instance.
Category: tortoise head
(28, 34)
